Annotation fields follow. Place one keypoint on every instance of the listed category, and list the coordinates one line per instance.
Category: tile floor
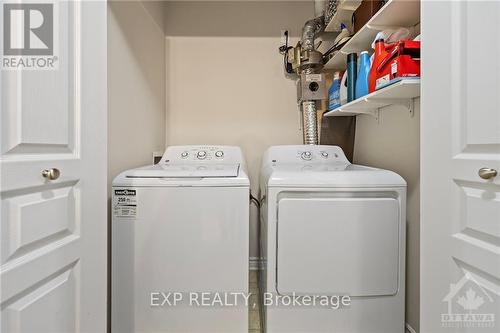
(254, 305)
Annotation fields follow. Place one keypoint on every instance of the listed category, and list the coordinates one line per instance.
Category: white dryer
(181, 226)
(330, 228)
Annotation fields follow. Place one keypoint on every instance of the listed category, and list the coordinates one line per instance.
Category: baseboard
(409, 329)
(255, 263)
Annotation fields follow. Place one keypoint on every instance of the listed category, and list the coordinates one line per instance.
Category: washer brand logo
(28, 36)
(124, 192)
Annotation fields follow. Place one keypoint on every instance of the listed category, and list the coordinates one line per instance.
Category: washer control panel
(304, 154)
(202, 154)
(316, 155)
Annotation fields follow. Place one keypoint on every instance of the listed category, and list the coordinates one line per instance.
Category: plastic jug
(378, 57)
(334, 92)
(343, 89)
(364, 71)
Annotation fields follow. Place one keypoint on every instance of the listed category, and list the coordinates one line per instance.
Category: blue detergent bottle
(363, 73)
(334, 92)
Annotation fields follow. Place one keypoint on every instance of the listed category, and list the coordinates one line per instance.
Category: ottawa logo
(467, 301)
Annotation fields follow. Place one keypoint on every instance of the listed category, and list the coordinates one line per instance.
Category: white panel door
(53, 231)
(460, 228)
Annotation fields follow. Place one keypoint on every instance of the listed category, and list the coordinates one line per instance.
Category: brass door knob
(487, 173)
(51, 174)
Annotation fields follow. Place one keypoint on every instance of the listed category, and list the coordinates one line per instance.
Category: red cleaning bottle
(378, 57)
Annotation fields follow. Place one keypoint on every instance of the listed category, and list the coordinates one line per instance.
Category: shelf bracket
(375, 113)
(412, 107)
(407, 103)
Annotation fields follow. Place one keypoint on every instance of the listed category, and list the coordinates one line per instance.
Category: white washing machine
(331, 229)
(181, 227)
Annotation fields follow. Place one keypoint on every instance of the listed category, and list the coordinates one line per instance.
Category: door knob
(487, 173)
(51, 174)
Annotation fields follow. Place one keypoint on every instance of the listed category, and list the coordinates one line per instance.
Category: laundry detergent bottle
(378, 57)
(343, 89)
(334, 92)
(363, 72)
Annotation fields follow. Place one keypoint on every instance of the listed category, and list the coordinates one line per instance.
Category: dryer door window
(337, 246)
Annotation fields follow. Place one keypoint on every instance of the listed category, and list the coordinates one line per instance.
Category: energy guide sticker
(125, 203)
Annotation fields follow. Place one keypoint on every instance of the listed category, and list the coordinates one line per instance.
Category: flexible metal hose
(309, 116)
(309, 31)
(310, 123)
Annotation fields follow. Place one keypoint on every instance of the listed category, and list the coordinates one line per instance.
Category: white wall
(394, 143)
(136, 86)
(136, 90)
(225, 81)
(230, 99)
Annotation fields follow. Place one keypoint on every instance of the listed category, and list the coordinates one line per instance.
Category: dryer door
(338, 246)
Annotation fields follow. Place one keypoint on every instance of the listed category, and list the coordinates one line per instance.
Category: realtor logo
(29, 35)
(468, 305)
(28, 29)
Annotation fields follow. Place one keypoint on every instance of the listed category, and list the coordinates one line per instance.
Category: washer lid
(186, 171)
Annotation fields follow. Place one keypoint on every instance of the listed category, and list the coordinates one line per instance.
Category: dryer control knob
(306, 155)
(201, 155)
(184, 154)
(324, 154)
(219, 153)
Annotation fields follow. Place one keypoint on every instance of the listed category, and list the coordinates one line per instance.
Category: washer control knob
(201, 155)
(324, 154)
(219, 153)
(184, 154)
(306, 155)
